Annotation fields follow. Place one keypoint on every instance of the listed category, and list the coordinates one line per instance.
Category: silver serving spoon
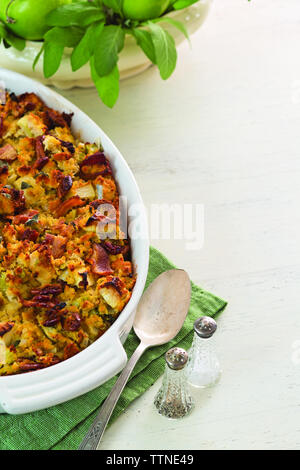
(159, 317)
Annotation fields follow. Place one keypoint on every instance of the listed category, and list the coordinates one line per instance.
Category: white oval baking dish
(105, 357)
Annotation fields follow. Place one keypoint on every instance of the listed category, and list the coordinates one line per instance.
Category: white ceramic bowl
(105, 357)
(132, 59)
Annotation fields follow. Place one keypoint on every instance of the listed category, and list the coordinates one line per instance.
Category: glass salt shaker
(203, 369)
(173, 400)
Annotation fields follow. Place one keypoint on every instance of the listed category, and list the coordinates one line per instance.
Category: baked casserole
(65, 266)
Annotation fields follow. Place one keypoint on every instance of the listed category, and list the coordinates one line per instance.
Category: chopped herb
(40, 173)
(33, 220)
(25, 185)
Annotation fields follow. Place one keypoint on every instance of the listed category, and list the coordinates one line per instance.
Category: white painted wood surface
(225, 131)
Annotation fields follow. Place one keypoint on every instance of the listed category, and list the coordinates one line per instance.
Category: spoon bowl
(163, 308)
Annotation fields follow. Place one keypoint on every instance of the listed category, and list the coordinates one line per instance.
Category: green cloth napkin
(63, 427)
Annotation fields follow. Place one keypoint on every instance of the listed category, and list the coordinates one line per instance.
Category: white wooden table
(224, 131)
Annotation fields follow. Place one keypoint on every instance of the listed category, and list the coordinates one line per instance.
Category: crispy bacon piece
(8, 153)
(42, 158)
(115, 249)
(23, 218)
(72, 322)
(5, 327)
(116, 283)
(58, 244)
(93, 166)
(31, 235)
(100, 261)
(65, 185)
(68, 205)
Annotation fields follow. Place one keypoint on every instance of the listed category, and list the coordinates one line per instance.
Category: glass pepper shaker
(203, 369)
(173, 400)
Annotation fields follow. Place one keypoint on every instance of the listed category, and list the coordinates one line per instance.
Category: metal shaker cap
(176, 358)
(205, 327)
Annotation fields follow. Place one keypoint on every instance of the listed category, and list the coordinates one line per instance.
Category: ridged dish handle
(92, 367)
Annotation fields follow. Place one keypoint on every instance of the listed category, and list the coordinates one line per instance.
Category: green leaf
(67, 37)
(16, 42)
(177, 24)
(95, 35)
(2, 30)
(108, 86)
(180, 4)
(111, 41)
(75, 14)
(5, 44)
(9, 39)
(115, 5)
(165, 50)
(144, 40)
(34, 220)
(52, 58)
(37, 57)
(83, 51)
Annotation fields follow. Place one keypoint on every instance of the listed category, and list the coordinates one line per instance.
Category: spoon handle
(96, 431)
